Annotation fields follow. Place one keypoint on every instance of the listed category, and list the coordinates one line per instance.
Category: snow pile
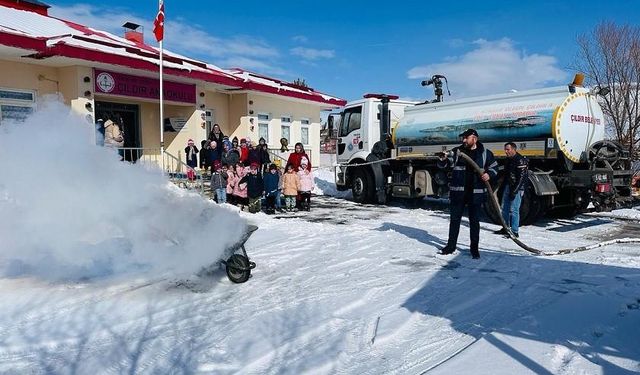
(70, 210)
(326, 183)
(625, 213)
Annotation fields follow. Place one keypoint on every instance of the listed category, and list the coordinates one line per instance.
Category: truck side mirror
(330, 124)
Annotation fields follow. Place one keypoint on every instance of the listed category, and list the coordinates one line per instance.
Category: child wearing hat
(290, 187)
(244, 150)
(271, 182)
(240, 188)
(306, 184)
(219, 178)
(255, 188)
(191, 152)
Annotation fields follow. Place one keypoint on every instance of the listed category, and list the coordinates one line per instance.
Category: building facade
(100, 74)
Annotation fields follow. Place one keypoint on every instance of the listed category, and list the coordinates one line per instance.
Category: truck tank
(538, 120)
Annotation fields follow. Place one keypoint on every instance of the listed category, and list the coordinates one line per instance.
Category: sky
(349, 48)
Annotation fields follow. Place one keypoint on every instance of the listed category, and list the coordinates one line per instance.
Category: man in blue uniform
(467, 189)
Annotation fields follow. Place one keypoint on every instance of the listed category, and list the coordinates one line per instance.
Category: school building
(98, 73)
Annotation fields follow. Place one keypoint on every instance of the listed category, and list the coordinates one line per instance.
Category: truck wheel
(362, 187)
(531, 208)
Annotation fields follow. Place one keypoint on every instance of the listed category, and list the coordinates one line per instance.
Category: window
(16, 95)
(263, 126)
(285, 127)
(304, 131)
(16, 105)
(350, 120)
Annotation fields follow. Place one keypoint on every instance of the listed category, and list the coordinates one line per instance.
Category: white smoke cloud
(70, 209)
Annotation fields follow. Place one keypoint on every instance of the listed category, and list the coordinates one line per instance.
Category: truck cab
(358, 129)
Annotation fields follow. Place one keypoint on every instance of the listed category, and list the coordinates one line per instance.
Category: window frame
(286, 124)
(263, 122)
(22, 103)
(209, 120)
(345, 129)
(305, 124)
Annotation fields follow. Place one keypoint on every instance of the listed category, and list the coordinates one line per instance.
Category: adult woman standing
(295, 158)
(217, 136)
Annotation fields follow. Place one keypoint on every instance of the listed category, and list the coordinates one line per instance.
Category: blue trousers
(221, 194)
(278, 199)
(511, 209)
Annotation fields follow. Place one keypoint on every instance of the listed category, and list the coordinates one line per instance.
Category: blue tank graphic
(536, 126)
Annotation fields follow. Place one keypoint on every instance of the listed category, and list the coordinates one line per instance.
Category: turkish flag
(158, 23)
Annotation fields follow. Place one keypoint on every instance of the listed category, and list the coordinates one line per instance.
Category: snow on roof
(68, 39)
(281, 86)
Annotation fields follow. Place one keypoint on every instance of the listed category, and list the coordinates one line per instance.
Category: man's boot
(447, 250)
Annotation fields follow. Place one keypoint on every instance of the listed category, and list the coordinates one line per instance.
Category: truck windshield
(351, 120)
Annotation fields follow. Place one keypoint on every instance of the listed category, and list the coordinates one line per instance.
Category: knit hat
(213, 144)
(190, 142)
(254, 165)
(242, 140)
(304, 161)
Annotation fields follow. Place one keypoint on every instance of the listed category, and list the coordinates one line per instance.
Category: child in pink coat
(240, 190)
(306, 185)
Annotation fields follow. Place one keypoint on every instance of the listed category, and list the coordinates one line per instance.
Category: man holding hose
(467, 189)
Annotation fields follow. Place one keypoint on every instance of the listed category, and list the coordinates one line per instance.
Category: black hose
(495, 206)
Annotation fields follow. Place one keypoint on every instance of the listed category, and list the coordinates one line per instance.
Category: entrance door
(128, 117)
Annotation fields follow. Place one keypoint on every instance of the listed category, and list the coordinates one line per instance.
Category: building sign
(142, 87)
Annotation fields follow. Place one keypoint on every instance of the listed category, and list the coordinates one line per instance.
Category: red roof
(47, 36)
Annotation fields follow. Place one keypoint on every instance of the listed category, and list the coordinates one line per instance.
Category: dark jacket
(516, 170)
(271, 181)
(255, 186)
(193, 162)
(219, 140)
(484, 158)
(204, 157)
(254, 156)
(219, 180)
(264, 154)
(231, 158)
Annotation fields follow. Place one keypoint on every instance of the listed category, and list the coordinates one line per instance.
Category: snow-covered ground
(343, 289)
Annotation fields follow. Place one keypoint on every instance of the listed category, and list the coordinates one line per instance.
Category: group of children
(247, 186)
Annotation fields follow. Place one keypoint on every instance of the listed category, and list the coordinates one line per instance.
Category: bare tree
(610, 57)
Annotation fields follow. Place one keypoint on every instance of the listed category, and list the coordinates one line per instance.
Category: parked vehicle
(388, 148)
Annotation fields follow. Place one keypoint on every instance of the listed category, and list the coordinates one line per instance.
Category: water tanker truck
(388, 148)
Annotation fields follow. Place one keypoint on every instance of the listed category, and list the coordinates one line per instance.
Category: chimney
(133, 32)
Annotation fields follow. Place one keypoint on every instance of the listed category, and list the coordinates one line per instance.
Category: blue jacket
(484, 158)
(271, 181)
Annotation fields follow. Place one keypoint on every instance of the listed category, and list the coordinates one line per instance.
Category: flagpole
(161, 112)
